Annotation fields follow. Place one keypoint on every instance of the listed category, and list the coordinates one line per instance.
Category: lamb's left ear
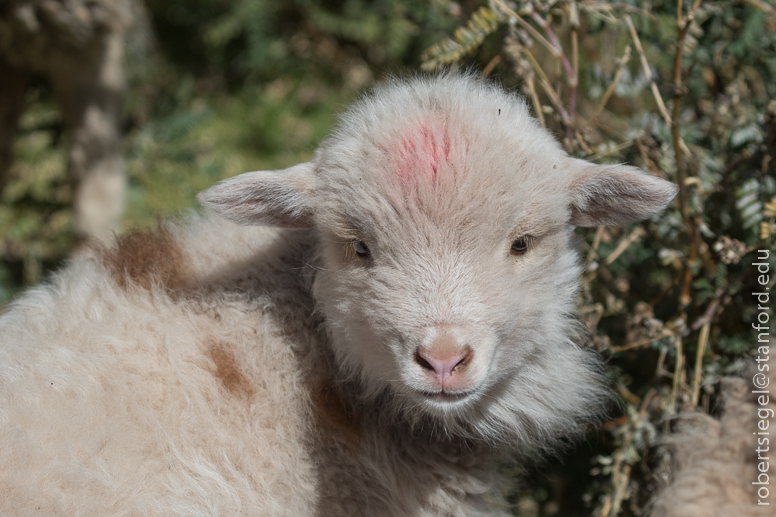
(275, 198)
(615, 194)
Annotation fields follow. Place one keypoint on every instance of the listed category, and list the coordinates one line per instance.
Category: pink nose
(444, 362)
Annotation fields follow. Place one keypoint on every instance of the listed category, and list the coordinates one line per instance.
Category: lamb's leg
(13, 86)
(90, 92)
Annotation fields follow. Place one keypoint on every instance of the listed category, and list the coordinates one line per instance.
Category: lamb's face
(446, 275)
(446, 266)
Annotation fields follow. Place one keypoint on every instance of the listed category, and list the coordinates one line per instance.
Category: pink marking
(421, 151)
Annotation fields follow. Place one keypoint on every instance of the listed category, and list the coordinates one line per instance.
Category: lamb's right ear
(275, 198)
(614, 194)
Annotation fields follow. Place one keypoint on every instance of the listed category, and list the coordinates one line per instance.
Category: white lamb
(401, 324)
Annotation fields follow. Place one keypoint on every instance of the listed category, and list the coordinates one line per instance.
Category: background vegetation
(683, 90)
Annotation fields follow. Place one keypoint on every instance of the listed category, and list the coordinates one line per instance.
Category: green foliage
(250, 40)
(483, 22)
(35, 218)
(209, 140)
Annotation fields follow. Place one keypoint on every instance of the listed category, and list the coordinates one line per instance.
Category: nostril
(464, 359)
(423, 362)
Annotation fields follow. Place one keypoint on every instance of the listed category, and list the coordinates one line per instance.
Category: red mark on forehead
(420, 151)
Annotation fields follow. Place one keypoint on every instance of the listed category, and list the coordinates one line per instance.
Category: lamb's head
(447, 277)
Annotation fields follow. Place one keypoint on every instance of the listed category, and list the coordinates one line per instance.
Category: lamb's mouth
(445, 396)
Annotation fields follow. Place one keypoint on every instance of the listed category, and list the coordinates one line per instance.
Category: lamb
(384, 324)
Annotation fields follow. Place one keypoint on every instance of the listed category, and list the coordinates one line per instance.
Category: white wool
(217, 369)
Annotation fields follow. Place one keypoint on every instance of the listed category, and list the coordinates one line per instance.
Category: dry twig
(546, 86)
(642, 342)
(678, 372)
(648, 72)
(599, 233)
(702, 341)
(535, 99)
(527, 26)
(490, 66)
(621, 64)
(634, 236)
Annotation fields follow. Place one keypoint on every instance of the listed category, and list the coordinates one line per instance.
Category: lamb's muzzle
(445, 361)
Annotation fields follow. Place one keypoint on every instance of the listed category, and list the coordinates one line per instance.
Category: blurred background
(115, 113)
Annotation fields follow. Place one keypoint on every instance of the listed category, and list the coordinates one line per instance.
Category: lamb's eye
(362, 250)
(519, 246)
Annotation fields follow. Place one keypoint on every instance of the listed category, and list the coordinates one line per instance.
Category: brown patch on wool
(146, 259)
(227, 371)
(334, 415)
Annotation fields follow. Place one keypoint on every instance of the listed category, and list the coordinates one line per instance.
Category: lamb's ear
(275, 198)
(615, 194)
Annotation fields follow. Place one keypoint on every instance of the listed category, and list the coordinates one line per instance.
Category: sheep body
(122, 400)
(376, 355)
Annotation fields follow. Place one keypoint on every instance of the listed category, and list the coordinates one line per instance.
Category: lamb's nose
(443, 361)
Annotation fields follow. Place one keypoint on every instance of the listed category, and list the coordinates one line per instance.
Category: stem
(681, 173)
(679, 368)
(571, 71)
(684, 297)
(640, 343)
(527, 26)
(599, 234)
(702, 341)
(546, 85)
(555, 43)
(535, 100)
(490, 66)
(574, 83)
(683, 26)
(610, 90)
(679, 13)
(710, 312)
(616, 149)
(648, 71)
(634, 236)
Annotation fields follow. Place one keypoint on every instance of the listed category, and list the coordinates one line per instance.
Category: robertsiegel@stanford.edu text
(761, 379)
